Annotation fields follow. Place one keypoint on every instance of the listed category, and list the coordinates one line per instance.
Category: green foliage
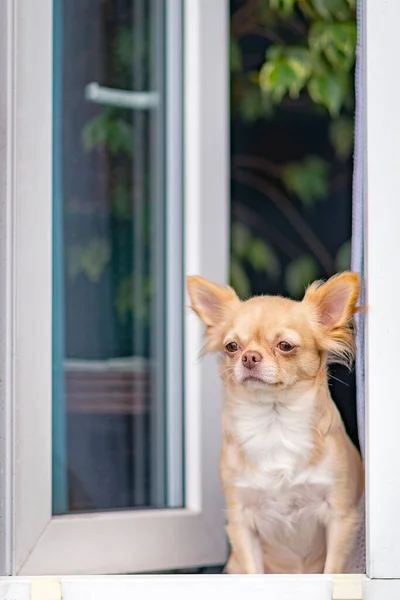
(123, 50)
(112, 132)
(336, 42)
(343, 257)
(331, 9)
(329, 89)
(300, 273)
(94, 258)
(341, 135)
(286, 71)
(307, 178)
(285, 7)
(121, 199)
(125, 298)
(90, 259)
(235, 56)
(254, 104)
(109, 131)
(320, 63)
(263, 259)
(253, 251)
(239, 278)
(309, 61)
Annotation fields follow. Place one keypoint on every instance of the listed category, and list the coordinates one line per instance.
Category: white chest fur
(282, 496)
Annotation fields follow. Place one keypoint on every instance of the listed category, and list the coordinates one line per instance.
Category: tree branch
(292, 215)
(270, 35)
(245, 214)
(256, 162)
(244, 18)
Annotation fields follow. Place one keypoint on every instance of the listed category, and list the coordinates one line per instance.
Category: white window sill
(180, 587)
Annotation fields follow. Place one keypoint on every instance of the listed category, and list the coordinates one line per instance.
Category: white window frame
(126, 541)
(31, 541)
(382, 91)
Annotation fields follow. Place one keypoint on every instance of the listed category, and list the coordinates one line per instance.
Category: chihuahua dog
(292, 479)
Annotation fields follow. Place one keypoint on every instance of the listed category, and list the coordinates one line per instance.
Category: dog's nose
(250, 359)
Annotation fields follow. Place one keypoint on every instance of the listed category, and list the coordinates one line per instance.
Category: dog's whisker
(337, 379)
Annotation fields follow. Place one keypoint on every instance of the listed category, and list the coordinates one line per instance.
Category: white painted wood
(6, 278)
(382, 290)
(128, 541)
(206, 165)
(276, 587)
(200, 587)
(381, 589)
(174, 251)
(12, 589)
(32, 252)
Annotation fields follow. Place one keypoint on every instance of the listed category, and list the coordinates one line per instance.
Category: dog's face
(272, 343)
(268, 342)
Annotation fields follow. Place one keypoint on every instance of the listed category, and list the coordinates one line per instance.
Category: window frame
(25, 172)
(278, 587)
(40, 543)
(382, 126)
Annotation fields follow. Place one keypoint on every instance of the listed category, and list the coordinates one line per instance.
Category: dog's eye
(232, 347)
(285, 347)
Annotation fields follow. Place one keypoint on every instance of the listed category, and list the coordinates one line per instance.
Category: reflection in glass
(109, 285)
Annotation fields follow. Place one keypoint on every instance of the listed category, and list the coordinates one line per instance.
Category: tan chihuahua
(292, 479)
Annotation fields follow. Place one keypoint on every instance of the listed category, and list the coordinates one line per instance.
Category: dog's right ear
(210, 301)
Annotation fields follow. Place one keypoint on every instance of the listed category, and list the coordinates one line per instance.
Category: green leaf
(108, 131)
(285, 7)
(341, 135)
(263, 258)
(336, 41)
(124, 298)
(308, 179)
(343, 257)
(299, 274)
(121, 199)
(254, 104)
(240, 236)
(95, 257)
(236, 63)
(239, 279)
(123, 48)
(94, 133)
(119, 137)
(285, 71)
(329, 90)
(331, 9)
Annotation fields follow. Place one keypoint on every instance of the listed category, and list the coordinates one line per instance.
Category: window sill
(279, 587)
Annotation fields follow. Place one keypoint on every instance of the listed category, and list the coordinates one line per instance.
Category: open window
(115, 422)
(73, 230)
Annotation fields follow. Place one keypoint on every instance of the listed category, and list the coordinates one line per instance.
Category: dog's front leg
(340, 537)
(247, 548)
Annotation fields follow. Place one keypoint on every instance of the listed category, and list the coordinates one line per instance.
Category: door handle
(122, 98)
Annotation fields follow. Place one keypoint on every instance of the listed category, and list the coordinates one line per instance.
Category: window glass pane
(111, 410)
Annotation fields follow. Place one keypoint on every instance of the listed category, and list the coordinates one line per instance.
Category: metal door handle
(122, 98)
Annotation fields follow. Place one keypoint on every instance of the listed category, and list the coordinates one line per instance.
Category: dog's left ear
(210, 301)
(335, 301)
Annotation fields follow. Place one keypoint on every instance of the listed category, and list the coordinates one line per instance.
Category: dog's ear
(335, 301)
(333, 305)
(210, 301)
